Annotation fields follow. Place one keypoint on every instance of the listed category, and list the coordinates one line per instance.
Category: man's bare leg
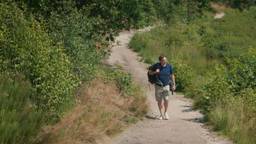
(165, 105)
(160, 106)
(165, 109)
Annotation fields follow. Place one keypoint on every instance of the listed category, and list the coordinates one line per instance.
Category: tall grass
(235, 119)
(19, 120)
(57, 46)
(214, 62)
(107, 105)
(182, 45)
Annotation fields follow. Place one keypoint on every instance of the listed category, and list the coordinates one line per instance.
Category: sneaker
(166, 117)
(159, 117)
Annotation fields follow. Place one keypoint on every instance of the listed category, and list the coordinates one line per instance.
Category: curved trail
(183, 127)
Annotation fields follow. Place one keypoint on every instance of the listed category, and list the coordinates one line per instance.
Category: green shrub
(184, 76)
(114, 14)
(235, 117)
(28, 49)
(242, 71)
(241, 4)
(174, 43)
(214, 63)
(215, 90)
(58, 44)
(235, 112)
(128, 89)
(20, 121)
(123, 80)
(232, 35)
(76, 32)
(164, 9)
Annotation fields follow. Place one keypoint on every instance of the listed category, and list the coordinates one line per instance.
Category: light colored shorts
(162, 93)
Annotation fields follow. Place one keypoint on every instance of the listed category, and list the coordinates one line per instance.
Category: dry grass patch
(101, 111)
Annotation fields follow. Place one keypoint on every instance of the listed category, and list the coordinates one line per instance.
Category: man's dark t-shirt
(165, 72)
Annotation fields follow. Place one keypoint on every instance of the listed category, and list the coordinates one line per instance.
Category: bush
(230, 36)
(180, 43)
(214, 61)
(122, 79)
(231, 100)
(128, 89)
(241, 4)
(235, 117)
(28, 49)
(215, 90)
(184, 76)
(76, 32)
(58, 44)
(242, 71)
(20, 122)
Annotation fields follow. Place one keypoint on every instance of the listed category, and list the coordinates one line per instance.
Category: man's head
(162, 60)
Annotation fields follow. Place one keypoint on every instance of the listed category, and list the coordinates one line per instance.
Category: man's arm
(153, 69)
(151, 72)
(172, 77)
(173, 81)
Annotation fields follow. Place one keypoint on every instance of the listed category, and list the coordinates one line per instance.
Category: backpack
(153, 79)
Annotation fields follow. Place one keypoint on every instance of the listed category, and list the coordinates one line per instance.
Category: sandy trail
(183, 127)
(219, 15)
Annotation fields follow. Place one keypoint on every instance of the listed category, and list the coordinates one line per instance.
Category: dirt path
(183, 127)
(219, 15)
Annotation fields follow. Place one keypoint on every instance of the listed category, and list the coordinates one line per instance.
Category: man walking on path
(165, 83)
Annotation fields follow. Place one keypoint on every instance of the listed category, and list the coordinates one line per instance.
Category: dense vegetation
(241, 4)
(49, 48)
(106, 106)
(215, 64)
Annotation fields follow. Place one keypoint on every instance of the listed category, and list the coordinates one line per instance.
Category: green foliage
(128, 89)
(58, 44)
(241, 4)
(115, 14)
(20, 122)
(215, 90)
(214, 63)
(235, 117)
(229, 99)
(182, 46)
(123, 80)
(230, 36)
(242, 71)
(29, 50)
(183, 75)
(124, 83)
(76, 32)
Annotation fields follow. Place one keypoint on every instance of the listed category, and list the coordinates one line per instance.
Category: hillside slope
(184, 125)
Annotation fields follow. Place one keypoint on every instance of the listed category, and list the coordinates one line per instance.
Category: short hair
(161, 57)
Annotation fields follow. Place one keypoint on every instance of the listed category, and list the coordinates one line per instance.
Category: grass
(231, 119)
(207, 56)
(19, 119)
(104, 107)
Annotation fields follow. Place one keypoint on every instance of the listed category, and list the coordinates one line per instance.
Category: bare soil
(185, 124)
